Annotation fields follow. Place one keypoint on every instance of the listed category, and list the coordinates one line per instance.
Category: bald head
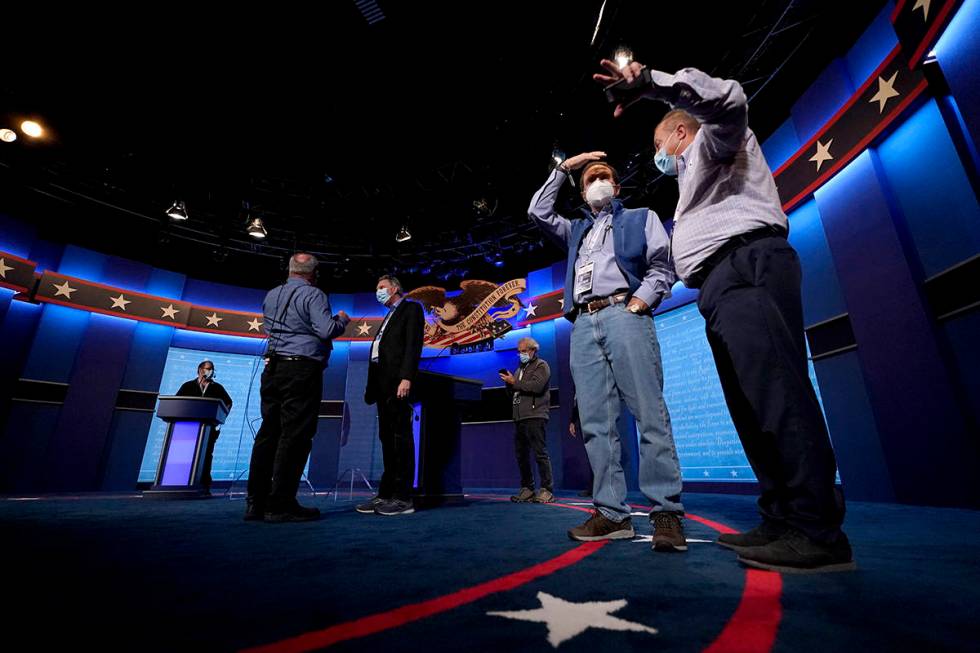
(303, 265)
(676, 130)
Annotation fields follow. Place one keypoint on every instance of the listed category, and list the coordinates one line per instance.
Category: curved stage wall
(887, 227)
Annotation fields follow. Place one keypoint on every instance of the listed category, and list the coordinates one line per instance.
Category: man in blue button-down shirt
(298, 321)
(618, 271)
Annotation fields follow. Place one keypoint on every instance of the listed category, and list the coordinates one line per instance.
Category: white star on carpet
(213, 319)
(254, 324)
(734, 473)
(170, 311)
(363, 329)
(4, 268)
(886, 90)
(529, 311)
(567, 620)
(823, 153)
(924, 5)
(707, 473)
(64, 289)
(120, 302)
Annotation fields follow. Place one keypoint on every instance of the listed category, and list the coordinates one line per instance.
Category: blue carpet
(122, 573)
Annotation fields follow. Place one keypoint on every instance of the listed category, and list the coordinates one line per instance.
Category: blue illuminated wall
(902, 404)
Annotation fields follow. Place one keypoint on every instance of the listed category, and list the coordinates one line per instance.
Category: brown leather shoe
(598, 527)
(544, 496)
(668, 533)
(524, 496)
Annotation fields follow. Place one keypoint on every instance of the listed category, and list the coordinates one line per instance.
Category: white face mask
(600, 193)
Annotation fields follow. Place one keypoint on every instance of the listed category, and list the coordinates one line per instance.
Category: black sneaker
(766, 532)
(368, 507)
(795, 553)
(599, 527)
(395, 507)
(524, 496)
(254, 510)
(668, 532)
(293, 513)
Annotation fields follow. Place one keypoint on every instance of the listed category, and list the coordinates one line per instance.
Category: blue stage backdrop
(707, 444)
(238, 373)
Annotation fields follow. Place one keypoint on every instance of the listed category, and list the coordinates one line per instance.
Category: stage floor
(121, 573)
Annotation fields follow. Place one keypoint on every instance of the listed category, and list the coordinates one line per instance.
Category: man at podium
(205, 386)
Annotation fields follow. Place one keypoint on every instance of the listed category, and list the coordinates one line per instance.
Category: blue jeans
(615, 353)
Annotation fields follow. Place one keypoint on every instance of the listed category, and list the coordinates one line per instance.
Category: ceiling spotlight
(403, 235)
(256, 229)
(623, 57)
(177, 211)
(31, 128)
(557, 156)
(8, 135)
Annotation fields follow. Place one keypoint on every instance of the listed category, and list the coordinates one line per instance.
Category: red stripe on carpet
(406, 614)
(753, 627)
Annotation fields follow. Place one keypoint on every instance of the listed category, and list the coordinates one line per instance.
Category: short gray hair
(530, 343)
(303, 263)
(393, 280)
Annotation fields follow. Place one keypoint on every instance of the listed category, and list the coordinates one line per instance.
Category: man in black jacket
(395, 354)
(532, 403)
(205, 386)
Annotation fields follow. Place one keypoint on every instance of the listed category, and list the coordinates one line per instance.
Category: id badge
(583, 279)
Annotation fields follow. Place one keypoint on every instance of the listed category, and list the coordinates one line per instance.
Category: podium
(190, 422)
(436, 423)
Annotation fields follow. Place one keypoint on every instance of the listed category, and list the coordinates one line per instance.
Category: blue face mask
(382, 295)
(525, 357)
(667, 163)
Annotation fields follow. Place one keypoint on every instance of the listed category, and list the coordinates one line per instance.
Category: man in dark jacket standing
(395, 355)
(532, 403)
(205, 386)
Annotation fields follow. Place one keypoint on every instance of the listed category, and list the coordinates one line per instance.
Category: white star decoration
(706, 473)
(567, 620)
(529, 311)
(363, 329)
(64, 289)
(169, 311)
(213, 319)
(254, 324)
(886, 90)
(924, 5)
(823, 153)
(734, 473)
(4, 268)
(120, 302)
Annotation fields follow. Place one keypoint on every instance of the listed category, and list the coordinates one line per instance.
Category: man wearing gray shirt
(297, 318)
(729, 240)
(618, 271)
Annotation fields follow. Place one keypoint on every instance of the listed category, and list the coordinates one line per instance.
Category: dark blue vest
(629, 244)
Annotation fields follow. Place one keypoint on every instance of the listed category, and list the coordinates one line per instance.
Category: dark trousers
(209, 458)
(530, 436)
(754, 320)
(291, 392)
(397, 448)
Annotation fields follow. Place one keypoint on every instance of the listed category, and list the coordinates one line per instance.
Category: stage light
(403, 235)
(31, 128)
(8, 135)
(558, 156)
(499, 263)
(177, 211)
(256, 229)
(623, 57)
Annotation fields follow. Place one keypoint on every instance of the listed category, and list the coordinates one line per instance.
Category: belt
(700, 275)
(280, 357)
(603, 302)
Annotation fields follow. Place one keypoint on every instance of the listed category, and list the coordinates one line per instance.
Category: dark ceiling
(337, 132)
